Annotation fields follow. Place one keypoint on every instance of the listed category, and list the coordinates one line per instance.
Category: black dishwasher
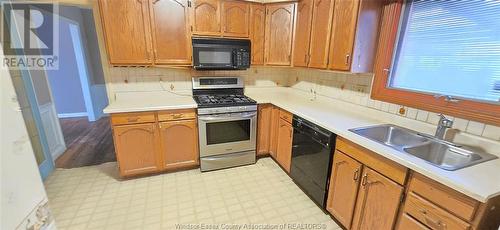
(312, 152)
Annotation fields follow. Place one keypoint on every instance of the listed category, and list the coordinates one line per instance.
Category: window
(449, 48)
(446, 48)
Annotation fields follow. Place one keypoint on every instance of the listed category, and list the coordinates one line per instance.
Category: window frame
(469, 109)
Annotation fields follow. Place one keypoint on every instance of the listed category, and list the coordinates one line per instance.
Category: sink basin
(437, 152)
(391, 135)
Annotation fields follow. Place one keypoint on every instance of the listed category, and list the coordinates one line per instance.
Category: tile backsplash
(355, 88)
(352, 88)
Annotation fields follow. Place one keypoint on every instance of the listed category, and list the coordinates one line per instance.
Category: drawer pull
(134, 119)
(356, 175)
(180, 115)
(436, 224)
(363, 181)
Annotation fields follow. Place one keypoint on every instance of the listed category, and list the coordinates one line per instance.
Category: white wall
(21, 188)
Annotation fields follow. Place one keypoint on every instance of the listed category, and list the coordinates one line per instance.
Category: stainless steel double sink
(443, 154)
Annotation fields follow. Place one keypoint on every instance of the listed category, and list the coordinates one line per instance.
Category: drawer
(285, 115)
(132, 118)
(407, 222)
(388, 168)
(179, 114)
(431, 215)
(449, 199)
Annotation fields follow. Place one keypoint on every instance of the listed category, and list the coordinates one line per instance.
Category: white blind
(449, 47)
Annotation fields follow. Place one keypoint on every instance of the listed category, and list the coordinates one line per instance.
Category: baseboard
(58, 152)
(68, 115)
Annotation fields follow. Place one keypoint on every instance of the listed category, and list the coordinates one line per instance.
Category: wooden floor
(88, 143)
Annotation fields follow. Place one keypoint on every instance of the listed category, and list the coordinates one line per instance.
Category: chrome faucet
(443, 124)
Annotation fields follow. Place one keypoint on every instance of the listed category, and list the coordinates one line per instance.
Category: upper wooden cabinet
(171, 32)
(235, 18)
(205, 17)
(257, 32)
(136, 148)
(302, 33)
(279, 33)
(179, 144)
(354, 35)
(320, 33)
(127, 31)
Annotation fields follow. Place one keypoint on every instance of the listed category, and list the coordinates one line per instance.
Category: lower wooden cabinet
(273, 143)
(344, 182)
(136, 148)
(378, 201)
(264, 129)
(284, 148)
(179, 144)
(407, 222)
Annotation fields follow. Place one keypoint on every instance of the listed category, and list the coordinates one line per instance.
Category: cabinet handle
(437, 224)
(180, 115)
(364, 180)
(356, 175)
(347, 59)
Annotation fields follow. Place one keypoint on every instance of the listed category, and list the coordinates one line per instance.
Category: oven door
(227, 133)
(213, 58)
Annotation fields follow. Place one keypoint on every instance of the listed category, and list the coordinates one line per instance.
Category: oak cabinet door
(275, 119)
(179, 144)
(343, 34)
(257, 32)
(302, 33)
(320, 33)
(377, 203)
(343, 189)
(284, 152)
(205, 17)
(264, 129)
(279, 33)
(127, 32)
(406, 222)
(171, 35)
(136, 148)
(235, 19)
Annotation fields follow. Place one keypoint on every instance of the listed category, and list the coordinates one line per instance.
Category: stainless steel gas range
(227, 123)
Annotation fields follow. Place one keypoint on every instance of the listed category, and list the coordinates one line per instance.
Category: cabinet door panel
(302, 33)
(377, 203)
(344, 183)
(264, 129)
(320, 33)
(257, 33)
(284, 155)
(171, 35)
(136, 148)
(275, 119)
(343, 34)
(205, 17)
(127, 31)
(279, 33)
(179, 142)
(235, 18)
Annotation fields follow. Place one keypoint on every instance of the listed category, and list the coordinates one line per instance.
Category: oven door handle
(233, 116)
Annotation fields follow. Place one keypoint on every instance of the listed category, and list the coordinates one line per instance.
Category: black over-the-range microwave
(221, 54)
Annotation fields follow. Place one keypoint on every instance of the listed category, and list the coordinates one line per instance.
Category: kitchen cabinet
(365, 190)
(179, 144)
(302, 34)
(279, 33)
(136, 148)
(257, 32)
(235, 18)
(205, 17)
(321, 26)
(127, 32)
(284, 148)
(377, 203)
(354, 35)
(273, 144)
(343, 188)
(171, 32)
(264, 129)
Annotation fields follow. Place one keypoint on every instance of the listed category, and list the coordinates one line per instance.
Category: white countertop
(150, 101)
(481, 181)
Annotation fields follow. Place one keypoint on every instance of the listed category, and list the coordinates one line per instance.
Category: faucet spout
(443, 124)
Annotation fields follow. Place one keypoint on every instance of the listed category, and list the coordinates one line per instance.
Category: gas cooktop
(222, 100)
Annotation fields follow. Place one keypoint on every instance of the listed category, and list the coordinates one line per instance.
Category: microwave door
(211, 58)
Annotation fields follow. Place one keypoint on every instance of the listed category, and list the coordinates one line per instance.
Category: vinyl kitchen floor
(93, 198)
